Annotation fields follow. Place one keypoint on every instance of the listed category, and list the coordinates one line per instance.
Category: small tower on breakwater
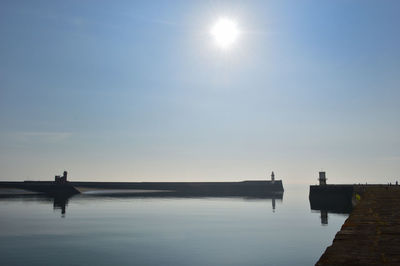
(61, 179)
(322, 178)
(272, 177)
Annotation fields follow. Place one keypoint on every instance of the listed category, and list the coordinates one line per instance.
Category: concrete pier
(252, 188)
(371, 234)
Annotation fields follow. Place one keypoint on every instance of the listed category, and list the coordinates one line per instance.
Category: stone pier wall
(371, 234)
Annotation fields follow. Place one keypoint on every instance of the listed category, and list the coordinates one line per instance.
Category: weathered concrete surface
(371, 234)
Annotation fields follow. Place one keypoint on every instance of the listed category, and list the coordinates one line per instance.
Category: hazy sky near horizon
(138, 91)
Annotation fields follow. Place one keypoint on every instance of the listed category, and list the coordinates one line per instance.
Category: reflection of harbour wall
(324, 217)
(331, 198)
(60, 202)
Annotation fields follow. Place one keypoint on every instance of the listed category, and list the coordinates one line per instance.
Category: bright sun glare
(225, 32)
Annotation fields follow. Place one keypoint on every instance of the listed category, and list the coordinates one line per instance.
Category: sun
(225, 32)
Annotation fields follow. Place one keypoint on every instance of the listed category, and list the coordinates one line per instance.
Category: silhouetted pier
(244, 188)
(60, 186)
(46, 187)
(60, 190)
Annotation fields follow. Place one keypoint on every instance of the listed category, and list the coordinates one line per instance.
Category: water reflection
(60, 201)
(273, 204)
(110, 228)
(324, 217)
(339, 204)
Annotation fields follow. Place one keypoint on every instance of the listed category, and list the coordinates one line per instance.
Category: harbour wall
(371, 233)
(244, 188)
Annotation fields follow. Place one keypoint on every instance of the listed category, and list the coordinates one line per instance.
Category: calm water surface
(165, 231)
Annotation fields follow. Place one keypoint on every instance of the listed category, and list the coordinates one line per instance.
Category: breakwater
(46, 187)
(371, 234)
(244, 188)
(332, 198)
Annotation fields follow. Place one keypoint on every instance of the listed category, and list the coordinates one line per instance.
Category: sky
(138, 91)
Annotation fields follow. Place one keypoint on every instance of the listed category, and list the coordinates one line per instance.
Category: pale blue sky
(137, 91)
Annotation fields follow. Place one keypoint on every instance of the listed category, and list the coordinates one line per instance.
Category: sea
(100, 229)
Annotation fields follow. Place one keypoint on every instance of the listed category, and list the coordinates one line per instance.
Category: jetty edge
(371, 233)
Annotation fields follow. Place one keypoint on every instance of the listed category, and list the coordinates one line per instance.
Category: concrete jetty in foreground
(371, 234)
